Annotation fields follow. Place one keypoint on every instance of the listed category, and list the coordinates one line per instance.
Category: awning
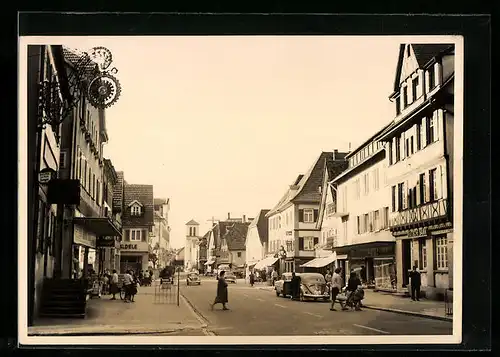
(320, 262)
(266, 262)
(369, 249)
(210, 261)
(100, 226)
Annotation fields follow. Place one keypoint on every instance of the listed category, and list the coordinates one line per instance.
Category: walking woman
(252, 278)
(113, 288)
(221, 297)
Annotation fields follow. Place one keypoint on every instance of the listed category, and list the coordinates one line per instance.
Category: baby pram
(352, 299)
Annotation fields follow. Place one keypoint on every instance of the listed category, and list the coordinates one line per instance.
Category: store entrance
(128, 262)
(406, 247)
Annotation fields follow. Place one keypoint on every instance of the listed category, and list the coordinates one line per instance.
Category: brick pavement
(145, 315)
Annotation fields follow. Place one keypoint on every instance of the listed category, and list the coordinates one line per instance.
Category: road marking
(310, 313)
(245, 295)
(259, 299)
(373, 329)
(280, 306)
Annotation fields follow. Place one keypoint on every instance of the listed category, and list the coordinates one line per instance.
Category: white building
(293, 221)
(420, 165)
(358, 218)
(160, 242)
(256, 243)
(191, 245)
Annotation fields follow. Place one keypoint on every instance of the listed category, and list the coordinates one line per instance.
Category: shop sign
(372, 252)
(417, 232)
(83, 237)
(128, 246)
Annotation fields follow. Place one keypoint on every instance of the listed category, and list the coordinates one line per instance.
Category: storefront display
(385, 274)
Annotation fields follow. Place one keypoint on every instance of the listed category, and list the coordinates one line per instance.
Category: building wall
(330, 225)
(254, 251)
(237, 260)
(280, 227)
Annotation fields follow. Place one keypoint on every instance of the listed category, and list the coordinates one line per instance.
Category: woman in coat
(221, 297)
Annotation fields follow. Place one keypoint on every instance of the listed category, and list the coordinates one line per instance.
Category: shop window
(423, 254)
(442, 253)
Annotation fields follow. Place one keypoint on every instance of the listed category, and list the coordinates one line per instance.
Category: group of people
(354, 291)
(130, 282)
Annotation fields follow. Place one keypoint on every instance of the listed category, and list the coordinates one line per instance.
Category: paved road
(254, 312)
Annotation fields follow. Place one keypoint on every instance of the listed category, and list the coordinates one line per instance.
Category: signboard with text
(134, 246)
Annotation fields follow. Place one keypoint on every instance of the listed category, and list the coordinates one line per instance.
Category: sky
(224, 124)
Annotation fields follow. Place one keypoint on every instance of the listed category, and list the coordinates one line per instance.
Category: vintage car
(230, 277)
(312, 286)
(193, 279)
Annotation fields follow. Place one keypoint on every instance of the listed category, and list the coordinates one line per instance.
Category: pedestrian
(145, 278)
(252, 279)
(127, 285)
(352, 286)
(295, 285)
(221, 297)
(415, 282)
(274, 275)
(328, 276)
(336, 286)
(113, 289)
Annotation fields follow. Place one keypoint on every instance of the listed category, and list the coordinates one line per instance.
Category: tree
(153, 254)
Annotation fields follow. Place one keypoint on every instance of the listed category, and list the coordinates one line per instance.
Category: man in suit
(415, 283)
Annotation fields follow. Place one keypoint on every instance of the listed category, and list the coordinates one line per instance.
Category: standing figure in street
(328, 277)
(221, 297)
(113, 288)
(252, 278)
(415, 282)
(274, 276)
(336, 286)
(295, 286)
(352, 286)
(127, 285)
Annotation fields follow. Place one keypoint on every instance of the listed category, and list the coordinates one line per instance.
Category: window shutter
(316, 215)
(423, 133)
(301, 215)
(428, 176)
(439, 124)
(404, 195)
(440, 182)
(127, 235)
(301, 243)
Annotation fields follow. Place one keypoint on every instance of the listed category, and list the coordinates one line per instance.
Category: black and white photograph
(240, 189)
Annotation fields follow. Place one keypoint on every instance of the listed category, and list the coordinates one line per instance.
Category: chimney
(335, 152)
(228, 215)
(244, 218)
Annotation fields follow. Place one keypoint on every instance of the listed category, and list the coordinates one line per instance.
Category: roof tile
(144, 195)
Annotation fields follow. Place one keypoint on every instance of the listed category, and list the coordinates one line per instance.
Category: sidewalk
(404, 305)
(105, 316)
(398, 304)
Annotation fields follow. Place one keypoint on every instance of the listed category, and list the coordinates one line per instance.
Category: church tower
(191, 245)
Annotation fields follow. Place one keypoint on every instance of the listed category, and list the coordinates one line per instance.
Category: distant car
(312, 286)
(193, 279)
(230, 278)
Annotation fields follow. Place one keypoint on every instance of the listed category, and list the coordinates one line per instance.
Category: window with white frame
(442, 253)
(308, 243)
(135, 210)
(135, 235)
(423, 254)
(309, 215)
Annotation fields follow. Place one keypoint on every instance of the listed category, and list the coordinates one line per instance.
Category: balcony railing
(416, 216)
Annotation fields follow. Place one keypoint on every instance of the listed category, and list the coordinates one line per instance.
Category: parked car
(230, 278)
(312, 286)
(193, 279)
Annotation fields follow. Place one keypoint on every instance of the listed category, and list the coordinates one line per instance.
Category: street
(254, 311)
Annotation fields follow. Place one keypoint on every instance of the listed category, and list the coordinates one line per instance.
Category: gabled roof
(135, 202)
(236, 236)
(423, 54)
(262, 224)
(192, 223)
(144, 195)
(159, 201)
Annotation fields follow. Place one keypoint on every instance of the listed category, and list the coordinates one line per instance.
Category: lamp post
(56, 97)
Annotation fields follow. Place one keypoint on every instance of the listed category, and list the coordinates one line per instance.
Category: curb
(118, 332)
(409, 313)
(199, 316)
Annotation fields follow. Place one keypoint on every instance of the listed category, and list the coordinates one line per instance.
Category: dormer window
(135, 208)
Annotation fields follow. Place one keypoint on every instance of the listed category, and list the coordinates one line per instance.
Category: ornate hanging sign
(103, 91)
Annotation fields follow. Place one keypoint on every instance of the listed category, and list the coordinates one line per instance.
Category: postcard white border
(24, 339)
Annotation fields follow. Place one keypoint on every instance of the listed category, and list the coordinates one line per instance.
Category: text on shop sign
(128, 246)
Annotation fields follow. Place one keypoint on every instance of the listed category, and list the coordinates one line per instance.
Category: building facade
(191, 245)
(138, 225)
(420, 165)
(160, 242)
(45, 63)
(364, 241)
(293, 221)
(233, 250)
(256, 241)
